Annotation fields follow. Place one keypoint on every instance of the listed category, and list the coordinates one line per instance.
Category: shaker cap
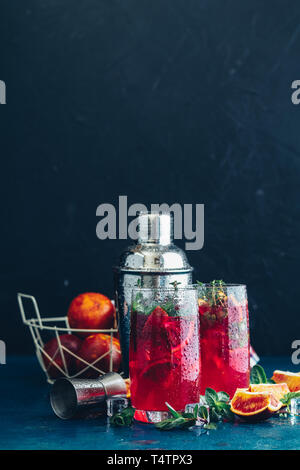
(155, 227)
(154, 251)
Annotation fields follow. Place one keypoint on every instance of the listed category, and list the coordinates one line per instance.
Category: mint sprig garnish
(218, 409)
(170, 304)
(213, 292)
(288, 397)
(125, 418)
(213, 407)
(212, 299)
(178, 420)
(175, 284)
(219, 405)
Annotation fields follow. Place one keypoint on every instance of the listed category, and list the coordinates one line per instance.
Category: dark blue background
(183, 101)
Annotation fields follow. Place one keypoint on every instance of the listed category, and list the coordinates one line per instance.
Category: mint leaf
(125, 418)
(226, 412)
(149, 310)
(211, 397)
(163, 425)
(203, 412)
(176, 422)
(169, 307)
(200, 284)
(173, 412)
(258, 375)
(286, 400)
(172, 423)
(214, 415)
(175, 284)
(221, 405)
(223, 397)
(138, 304)
(188, 423)
(189, 415)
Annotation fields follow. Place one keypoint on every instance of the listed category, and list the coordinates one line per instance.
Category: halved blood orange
(254, 406)
(292, 379)
(278, 390)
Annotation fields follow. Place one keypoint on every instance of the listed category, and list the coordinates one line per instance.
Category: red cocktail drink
(165, 353)
(224, 327)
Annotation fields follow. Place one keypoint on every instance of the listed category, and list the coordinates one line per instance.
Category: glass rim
(210, 285)
(188, 287)
(162, 288)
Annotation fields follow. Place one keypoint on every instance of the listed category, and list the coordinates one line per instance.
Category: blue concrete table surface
(27, 421)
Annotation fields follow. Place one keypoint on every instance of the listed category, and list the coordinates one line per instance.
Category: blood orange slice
(292, 379)
(254, 406)
(154, 322)
(153, 338)
(158, 371)
(203, 306)
(179, 333)
(278, 390)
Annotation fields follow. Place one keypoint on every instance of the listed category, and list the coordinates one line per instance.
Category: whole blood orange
(91, 311)
(254, 406)
(278, 390)
(61, 362)
(292, 379)
(95, 350)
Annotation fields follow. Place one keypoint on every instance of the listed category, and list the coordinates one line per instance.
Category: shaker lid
(155, 228)
(154, 250)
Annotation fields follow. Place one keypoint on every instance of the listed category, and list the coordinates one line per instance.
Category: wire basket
(40, 326)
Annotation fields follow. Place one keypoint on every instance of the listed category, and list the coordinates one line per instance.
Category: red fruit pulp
(164, 360)
(224, 347)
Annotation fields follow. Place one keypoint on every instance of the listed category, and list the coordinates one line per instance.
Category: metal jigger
(153, 261)
(71, 398)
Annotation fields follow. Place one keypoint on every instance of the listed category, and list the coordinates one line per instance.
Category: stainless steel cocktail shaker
(153, 261)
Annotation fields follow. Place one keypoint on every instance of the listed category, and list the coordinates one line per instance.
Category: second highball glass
(224, 327)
